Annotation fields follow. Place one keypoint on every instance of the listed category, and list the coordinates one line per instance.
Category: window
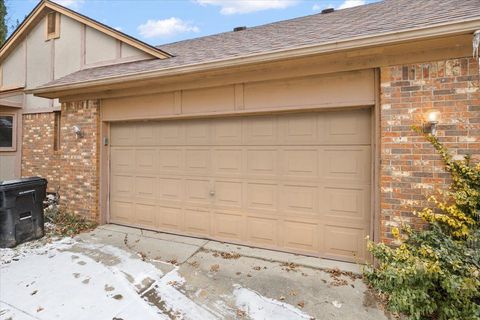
(7, 132)
(56, 131)
(53, 25)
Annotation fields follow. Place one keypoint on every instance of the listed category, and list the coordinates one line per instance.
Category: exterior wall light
(432, 118)
(77, 131)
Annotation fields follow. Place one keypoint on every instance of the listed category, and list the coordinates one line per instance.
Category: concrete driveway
(123, 273)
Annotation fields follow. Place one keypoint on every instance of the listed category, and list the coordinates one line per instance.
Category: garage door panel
(260, 131)
(299, 199)
(300, 163)
(122, 134)
(121, 212)
(146, 134)
(170, 189)
(171, 160)
(171, 133)
(301, 235)
(348, 128)
(197, 221)
(350, 204)
(345, 243)
(294, 182)
(347, 164)
(227, 132)
(262, 196)
(123, 160)
(122, 185)
(299, 129)
(262, 162)
(145, 187)
(198, 133)
(228, 225)
(145, 214)
(198, 161)
(170, 218)
(262, 231)
(146, 160)
(227, 161)
(228, 193)
(198, 191)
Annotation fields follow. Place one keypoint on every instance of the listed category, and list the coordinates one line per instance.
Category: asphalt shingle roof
(362, 21)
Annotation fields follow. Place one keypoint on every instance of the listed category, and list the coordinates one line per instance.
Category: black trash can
(21, 210)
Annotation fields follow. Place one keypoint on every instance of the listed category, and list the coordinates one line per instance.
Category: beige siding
(39, 65)
(7, 166)
(297, 182)
(129, 52)
(346, 89)
(15, 98)
(208, 100)
(150, 106)
(99, 47)
(349, 88)
(45, 61)
(68, 47)
(13, 68)
(39, 57)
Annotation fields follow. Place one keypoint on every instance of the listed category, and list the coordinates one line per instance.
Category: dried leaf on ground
(230, 255)
(289, 266)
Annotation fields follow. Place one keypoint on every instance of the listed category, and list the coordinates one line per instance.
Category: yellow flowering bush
(435, 272)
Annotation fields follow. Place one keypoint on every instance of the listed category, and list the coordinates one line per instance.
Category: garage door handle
(212, 193)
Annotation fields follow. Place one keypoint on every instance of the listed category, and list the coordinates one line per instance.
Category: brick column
(410, 168)
(79, 177)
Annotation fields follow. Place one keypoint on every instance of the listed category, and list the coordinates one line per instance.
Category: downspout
(476, 48)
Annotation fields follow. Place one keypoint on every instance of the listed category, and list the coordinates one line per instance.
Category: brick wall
(410, 169)
(80, 158)
(74, 168)
(38, 157)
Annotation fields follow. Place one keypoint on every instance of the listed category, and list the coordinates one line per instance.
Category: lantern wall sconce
(78, 132)
(432, 118)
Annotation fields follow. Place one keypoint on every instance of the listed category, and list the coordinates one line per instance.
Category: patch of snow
(74, 284)
(336, 304)
(90, 281)
(7, 255)
(7, 312)
(177, 301)
(259, 307)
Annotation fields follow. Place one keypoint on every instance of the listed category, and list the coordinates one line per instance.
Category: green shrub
(435, 272)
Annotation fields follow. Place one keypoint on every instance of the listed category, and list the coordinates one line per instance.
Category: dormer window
(53, 25)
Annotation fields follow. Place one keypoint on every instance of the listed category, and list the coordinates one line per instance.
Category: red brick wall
(74, 168)
(410, 169)
(79, 178)
(38, 157)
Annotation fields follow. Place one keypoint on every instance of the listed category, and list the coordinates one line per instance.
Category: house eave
(397, 37)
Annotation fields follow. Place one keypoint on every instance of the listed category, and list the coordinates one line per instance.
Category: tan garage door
(294, 182)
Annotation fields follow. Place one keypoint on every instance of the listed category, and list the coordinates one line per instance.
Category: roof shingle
(362, 21)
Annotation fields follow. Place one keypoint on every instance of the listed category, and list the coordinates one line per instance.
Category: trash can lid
(21, 181)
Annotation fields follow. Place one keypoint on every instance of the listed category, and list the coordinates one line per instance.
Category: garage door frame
(105, 172)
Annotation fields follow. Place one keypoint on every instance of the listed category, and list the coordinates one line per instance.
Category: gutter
(440, 30)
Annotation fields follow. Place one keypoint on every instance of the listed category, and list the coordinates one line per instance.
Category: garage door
(293, 182)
